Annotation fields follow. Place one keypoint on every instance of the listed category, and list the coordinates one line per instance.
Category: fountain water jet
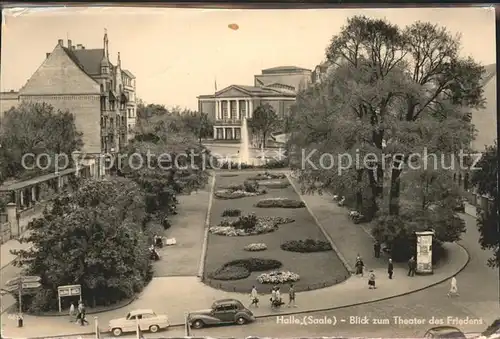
(245, 143)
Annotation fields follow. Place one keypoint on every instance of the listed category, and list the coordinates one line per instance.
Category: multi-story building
(277, 87)
(85, 82)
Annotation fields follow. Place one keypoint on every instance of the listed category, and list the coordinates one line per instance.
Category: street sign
(69, 290)
(12, 289)
(27, 285)
(31, 279)
(13, 282)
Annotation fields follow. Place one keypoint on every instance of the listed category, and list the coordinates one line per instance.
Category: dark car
(224, 311)
(492, 332)
(445, 332)
(460, 206)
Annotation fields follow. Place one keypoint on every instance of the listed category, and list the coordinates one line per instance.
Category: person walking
(412, 267)
(278, 296)
(254, 296)
(453, 288)
(291, 297)
(390, 268)
(79, 312)
(359, 266)
(83, 311)
(72, 312)
(376, 249)
(273, 296)
(371, 280)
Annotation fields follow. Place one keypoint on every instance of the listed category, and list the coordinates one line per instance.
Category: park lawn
(316, 270)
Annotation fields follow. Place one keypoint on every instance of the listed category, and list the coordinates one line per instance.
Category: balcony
(228, 122)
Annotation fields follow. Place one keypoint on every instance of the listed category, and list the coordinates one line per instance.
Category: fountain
(245, 143)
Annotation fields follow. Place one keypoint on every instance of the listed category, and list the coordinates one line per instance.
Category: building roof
(89, 59)
(284, 69)
(128, 73)
(253, 91)
(17, 185)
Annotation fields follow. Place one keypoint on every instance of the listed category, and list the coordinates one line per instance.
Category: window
(112, 105)
(103, 103)
(111, 121)
(103, 122)
(224, 110)
(129, 127)
(229, 307)
(102, 88)
(123, 121)
(121, 88)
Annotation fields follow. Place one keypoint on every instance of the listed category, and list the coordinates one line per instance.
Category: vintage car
(224, 311)
(147, 320)
(492, 332)
(445, 332)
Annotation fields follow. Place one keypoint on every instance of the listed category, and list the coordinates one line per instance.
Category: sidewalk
(470, 210)
(175, 295)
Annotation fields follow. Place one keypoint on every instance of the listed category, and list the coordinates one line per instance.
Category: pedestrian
(371, 280)
(72, 312)
(453, 288)
(359, 265)
(390, 268)
(376, 249)
(291, 297)
(273, 296)
(278, 295)
(83, 320)
(254, 297)
(412, 263)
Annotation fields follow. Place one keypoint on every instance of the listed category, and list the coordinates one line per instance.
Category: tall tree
(485, 180)
(35, 128)
(92, 237)
(198, 123)
(264, 121)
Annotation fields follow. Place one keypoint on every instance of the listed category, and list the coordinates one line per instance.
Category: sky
(178, 54)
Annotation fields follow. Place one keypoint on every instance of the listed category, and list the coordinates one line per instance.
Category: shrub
(231, 212)
(255, 247)
(280, 203)
(268, 176)
(256, 264)
(245, 222)
(230, 273)
(306, 246)
(241, 268)
(275, 183)
(276, 164)
(234, 165)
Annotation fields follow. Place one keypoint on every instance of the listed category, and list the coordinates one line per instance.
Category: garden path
(188, 228)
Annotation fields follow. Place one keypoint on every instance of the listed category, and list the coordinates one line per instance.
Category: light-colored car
(147, 319)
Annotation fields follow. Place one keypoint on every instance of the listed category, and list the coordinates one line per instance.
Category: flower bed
(261, 227)
(306, 246)
(274, 183)
(268, 176)
(241, 268)
(230, 194)
(255, 247)
(280, 203)
(278, 220)
(278, 277)
(231, 212)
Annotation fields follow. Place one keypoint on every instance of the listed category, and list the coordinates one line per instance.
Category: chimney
(47, 55)
(79, 46)
(83, 47)
(70, 45)
(61, 42)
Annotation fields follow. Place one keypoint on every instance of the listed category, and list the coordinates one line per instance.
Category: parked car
(445, 332)
(460, 206)
(147, 319)
(224, 311)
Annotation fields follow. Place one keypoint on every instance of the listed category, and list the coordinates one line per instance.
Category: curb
(315, 310)
(201, 269)
(348, 267)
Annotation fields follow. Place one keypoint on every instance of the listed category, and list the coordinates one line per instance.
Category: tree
(485, 180)
(391, 93)
(264, 121)
(35, 128)
(198, 123)
(92, 237)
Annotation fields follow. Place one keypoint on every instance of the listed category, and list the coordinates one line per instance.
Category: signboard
(68, 291)
(424, 252)
(27, 285)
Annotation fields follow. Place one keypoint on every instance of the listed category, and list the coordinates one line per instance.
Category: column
(224, 133)
(215, 132)
(250, 110)
(217, 109)
(21, 198)
(33, 193)
(228, 106)
(11, 211)
(234, 136)
(247, 108)
(238, 116)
